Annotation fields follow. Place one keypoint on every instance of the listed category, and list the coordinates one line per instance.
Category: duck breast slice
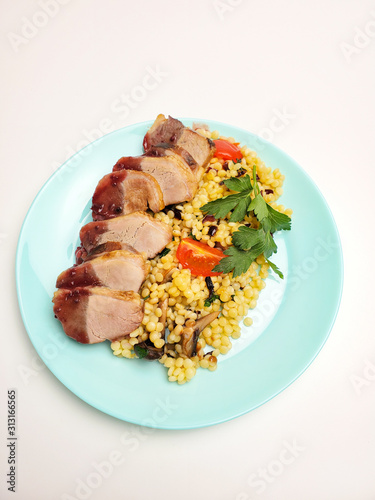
(138, 229)
(123, 192)
(119, 270)
(93, 314)
(110, 246)
(175, 178)
(172, 131)
(166, 149)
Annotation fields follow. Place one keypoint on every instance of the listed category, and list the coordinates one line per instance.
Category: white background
(235, 62)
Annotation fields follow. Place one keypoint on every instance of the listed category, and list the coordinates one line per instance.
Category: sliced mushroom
(191, 331)
(152, 351)
(164, 308)
(167, 275)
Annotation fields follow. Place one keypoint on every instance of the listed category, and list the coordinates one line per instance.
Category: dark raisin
(208, 218)
(219, 246)
(269, 191)
(209, 284)
(212, 230)
(177, 213)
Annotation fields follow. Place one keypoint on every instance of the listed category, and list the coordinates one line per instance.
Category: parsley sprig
(210, 300)
(164, 252)
(248, 243)
(141, 352)
(237, 203)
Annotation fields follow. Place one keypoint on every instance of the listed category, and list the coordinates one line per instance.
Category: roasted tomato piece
(198, 257)
(227, 151)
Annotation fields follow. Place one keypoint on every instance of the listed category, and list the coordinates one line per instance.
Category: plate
(292, 320)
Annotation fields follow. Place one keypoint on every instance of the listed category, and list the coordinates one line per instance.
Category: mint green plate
(292, 320)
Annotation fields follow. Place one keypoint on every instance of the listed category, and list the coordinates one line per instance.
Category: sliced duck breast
(126, 191)
(138, 229)
(174, 177)
(119, 270)
(166, 149)
(172, 131)
(163, 130)
(93, 314)
(110, 246)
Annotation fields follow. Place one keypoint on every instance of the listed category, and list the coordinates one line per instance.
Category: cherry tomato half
(227, 151)
(198, 257)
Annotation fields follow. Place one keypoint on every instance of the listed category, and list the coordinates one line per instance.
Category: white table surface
(239, 62)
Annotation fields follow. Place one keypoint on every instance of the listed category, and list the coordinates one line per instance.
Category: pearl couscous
(173, 296)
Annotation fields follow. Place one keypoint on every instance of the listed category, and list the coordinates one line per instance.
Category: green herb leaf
(259, 206)
(271, 219)
(275, 269)
(236, 260)
(210, 299)
(141, 352)
(220, 208)
(278, 220)
(270, 245)
(247, 237)
(239, 183)
(164, 252)
(240, 211)
(256, 240)
(238, 203)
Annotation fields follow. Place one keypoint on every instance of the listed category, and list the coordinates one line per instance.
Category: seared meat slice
(163, 130)
(174, 177)
(124, 192)
(110, 246)
(172, 131)
(200, 148)
(119, 270)
(177, 152)
(137, 229)
(82, 255)
(94, 314)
